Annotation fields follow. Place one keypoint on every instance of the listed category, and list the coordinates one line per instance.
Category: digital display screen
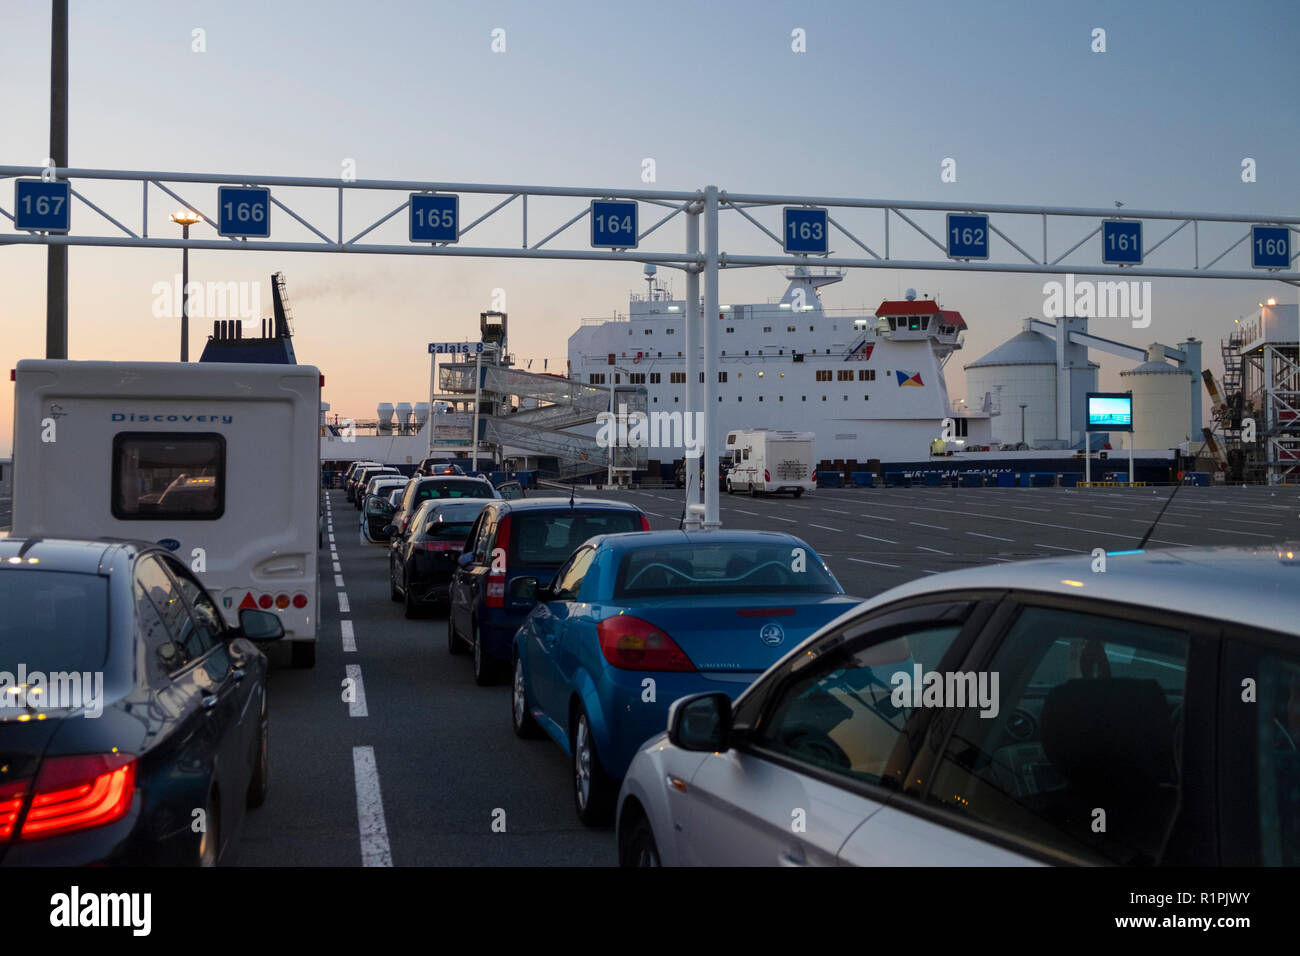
(1110, 412)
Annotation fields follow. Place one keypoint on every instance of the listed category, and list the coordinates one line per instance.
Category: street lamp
(185, 218)
(609, 475)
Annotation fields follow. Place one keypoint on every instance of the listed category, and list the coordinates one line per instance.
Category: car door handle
(792, 857)
(210, 701)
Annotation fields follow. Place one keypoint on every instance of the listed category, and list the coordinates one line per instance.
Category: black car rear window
(447, 531)
(548, 537)
(453, 489)
(52, 621)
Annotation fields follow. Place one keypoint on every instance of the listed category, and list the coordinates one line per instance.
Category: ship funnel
(421, 414)
(403, 415)
(385, 416)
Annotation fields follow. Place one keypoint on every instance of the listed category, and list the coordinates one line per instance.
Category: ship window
(656, 399)
(810, 328)
(730, 329)
(611, 359)
(805, 398)
(783, 374)
(767, 328)
(789, 328)
(677, 378)
(597, 378)
(654, 378)
(648, 331)
(740, 398)
(660, 355)
(724, 351)
(780, 398)
(746, 351)
(701, 378)
(679, 354)
(722, 376)
(760, 398)
(844, 375)
(671, 331)
(675, 398)
(740, 375)
(823, 375)
(823, 398)
(629, 331)
(617, 378)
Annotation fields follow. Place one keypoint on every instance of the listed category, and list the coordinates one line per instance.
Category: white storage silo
(421, 415)
(385, 412)
(1020, 370)
(403, 416)
(1162, 402)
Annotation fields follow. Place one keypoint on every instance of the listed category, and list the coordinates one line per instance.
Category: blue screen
(1110, 412)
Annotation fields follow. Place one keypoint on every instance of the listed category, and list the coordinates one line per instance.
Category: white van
(220, 462)
(767, 460)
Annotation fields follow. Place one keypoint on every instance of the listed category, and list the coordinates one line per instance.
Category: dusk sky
(582, 94)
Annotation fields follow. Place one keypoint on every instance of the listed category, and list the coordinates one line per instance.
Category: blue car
(632, 622)
(512, 541)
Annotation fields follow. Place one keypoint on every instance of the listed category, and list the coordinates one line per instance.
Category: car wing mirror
(701, 722)
(260, 626)
(524, 589)
(466, 559)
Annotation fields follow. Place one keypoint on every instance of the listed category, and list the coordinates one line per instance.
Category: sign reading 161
(805, 231)
(244, 211)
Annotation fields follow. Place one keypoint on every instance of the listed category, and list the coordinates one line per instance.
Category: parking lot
(421, 768)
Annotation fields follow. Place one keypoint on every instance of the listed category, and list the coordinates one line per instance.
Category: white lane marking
(357, 705)
(337, 566)
(823, 527)
(992, 537)
(338, 580)
(349, 638)
(935, 550)
(779, 518)
(1085, 514)
(873, 538)
(878, 517)
(744, 512)
(834, 512)
(994, 557)
(370, 809)
(1253, 534)
(343, 603)
(879, 564)
(1057, 547)
(936, 527)
(652, 513)
(331, 539)
(924, 571)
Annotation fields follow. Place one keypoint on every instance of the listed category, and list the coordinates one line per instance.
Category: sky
(580, 96)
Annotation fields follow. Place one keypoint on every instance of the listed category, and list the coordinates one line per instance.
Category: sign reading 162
(244, 211)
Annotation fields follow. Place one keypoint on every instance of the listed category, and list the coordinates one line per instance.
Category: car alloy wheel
(593, 790)
(484, 671)
(524, 723)
(582, 763)
(641, 849)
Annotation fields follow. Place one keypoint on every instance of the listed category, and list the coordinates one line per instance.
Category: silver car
(1138, 708)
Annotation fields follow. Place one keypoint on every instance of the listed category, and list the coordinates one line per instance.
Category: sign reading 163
(805, 231)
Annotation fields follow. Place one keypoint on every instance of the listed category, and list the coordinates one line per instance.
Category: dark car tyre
(639, 847)
(520, 715)
(593, 791)
(798, 492)
(485, 671)
(454, 646)
(304, 653)
(753, 492)
(210, 838)
(262, 762)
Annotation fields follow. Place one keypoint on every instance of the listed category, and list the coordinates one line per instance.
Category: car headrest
(1109, 733)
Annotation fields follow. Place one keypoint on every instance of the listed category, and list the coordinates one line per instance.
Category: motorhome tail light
(265, 601)
(322, 381)
(814, 476)
(636, 645)
(496, 582)
(282, 601)
(767, 475)
(645, 523)
(300, 601)
(76, 793)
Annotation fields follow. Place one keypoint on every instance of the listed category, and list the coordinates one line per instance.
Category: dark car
(429, 467)
(421, 562)
(420, 490)
(515, 540)
(150, 708)
(352, 472)
(362, 478)
(679, 473)
(378, 516)
(511, 490)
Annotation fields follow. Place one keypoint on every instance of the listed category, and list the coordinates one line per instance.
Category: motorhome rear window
(169, 476)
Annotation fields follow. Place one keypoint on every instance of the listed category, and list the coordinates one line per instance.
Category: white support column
(478, 397)
(692, 396)
(428, 421)
(709, 459)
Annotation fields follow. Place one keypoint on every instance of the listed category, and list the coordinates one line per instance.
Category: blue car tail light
(495, 595)
(632, 644)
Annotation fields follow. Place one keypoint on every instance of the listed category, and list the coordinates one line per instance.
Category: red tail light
(645, 523)
(496, 582)
(767, 475)
(265, 601)
(636, 645)
(456, 546)
(76, 793)
(300, 600)
(11, 801)
(814, 477)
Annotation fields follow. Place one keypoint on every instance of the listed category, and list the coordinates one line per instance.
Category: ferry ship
(871, 387)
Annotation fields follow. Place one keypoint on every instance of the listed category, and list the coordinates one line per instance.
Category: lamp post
(613, 422)
(185, 218)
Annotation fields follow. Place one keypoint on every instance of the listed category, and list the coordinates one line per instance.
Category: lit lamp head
(186, 217)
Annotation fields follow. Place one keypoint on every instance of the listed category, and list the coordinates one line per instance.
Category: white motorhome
(220, 462)
(765, 460)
